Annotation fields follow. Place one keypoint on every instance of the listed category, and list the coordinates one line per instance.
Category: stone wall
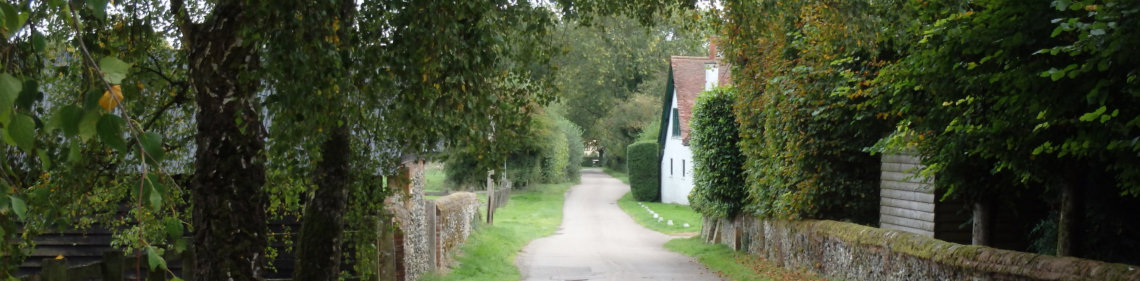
(456, 215)
(854, 252)
(422, 233)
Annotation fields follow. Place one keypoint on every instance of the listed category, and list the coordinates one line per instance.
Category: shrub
(575, 146)
(644, 178)
(718, 188)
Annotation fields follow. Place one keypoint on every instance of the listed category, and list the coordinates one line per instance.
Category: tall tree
(229, 203)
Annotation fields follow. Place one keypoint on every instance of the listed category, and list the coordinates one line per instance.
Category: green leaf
(88, 124)
(173, 228)
(22, 131)
(156, 191)
(67, 118)
(39, 42)
(18, 206)
(98, 8)
(110, 130)
(1087, 117)
(154, 259)
(9, 88)
(152, 146)
(29, 94)
(9, 92)
(45, 159)
(74, 153)
(12, 18)
(175, 278)
(114, 70)
(155, 200)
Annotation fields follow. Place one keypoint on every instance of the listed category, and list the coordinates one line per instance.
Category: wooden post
(113, 266)
(983, 224)
(54, 270)
(490, 198)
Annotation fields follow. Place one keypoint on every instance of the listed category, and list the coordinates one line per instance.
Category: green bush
(718, 180)
(804, 124)
(575, 146)
(644, 178)
(549, 152)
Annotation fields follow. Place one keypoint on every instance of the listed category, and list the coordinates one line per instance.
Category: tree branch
(182, 20)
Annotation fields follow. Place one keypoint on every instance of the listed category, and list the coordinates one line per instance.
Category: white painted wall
(678, 182)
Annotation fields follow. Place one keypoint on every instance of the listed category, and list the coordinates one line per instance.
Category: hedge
(718, 188)
(644, 173)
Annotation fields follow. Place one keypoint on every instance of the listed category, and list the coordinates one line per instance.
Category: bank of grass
(490, 252)
(735, 265)
(718, 258)
(680, 214)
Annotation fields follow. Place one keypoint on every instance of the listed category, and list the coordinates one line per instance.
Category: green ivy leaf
(18, 206)
(114, 70)
(154, 259)
(21, 132)
(110, 130)
(152, 146)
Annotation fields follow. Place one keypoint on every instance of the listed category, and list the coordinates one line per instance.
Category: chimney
(712, 47)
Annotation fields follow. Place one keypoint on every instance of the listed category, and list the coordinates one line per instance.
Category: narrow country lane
(598, 241)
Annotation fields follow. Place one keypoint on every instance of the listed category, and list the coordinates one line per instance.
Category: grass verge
(735, 265)
(680, 214)
(617, 174)
(490, 252)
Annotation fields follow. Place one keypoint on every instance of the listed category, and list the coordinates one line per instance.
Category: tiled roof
(688, 81)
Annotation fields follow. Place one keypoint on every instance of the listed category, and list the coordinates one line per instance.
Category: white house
(688, 77)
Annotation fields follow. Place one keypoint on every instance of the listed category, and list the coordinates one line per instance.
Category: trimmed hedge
(644, 173)
(718, 188)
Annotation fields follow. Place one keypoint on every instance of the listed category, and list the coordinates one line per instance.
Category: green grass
(617, 174)
(434, 178)
(732, 264)
(680, 214)
(490, 252)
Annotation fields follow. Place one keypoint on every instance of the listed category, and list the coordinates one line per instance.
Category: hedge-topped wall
(849, 251)
(644, 175)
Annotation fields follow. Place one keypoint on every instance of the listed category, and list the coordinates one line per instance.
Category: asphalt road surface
(598, 241)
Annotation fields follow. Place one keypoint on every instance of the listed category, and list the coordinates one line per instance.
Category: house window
(682, 167)
(670, 166)
(676, 123)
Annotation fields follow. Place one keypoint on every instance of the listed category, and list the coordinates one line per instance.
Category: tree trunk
(983, 223)
(229, 202)
(319, 248)
(1066, 224)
